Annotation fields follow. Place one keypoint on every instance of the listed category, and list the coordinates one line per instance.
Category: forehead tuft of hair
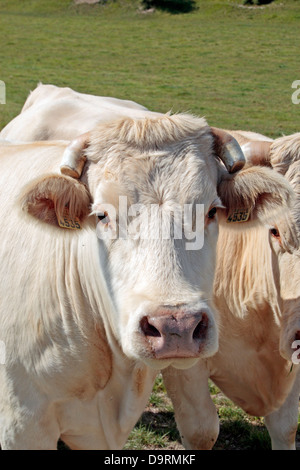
(146, 134)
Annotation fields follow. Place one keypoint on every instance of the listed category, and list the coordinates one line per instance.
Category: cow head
(158, 187)
(283, 155)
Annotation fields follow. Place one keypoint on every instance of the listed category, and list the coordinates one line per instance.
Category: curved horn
(228, 150)
(257, 152)
(73, 159)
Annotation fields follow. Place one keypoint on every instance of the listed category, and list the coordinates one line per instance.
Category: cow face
(157, 234)
(157, 191)
(156, 202)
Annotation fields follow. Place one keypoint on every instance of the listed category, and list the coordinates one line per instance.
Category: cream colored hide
(87, 319)
(55, 113)
(257, 294)
(52, 112)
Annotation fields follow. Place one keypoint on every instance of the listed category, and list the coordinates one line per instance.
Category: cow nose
(175, 335)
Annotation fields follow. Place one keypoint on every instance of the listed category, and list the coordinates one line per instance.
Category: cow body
(256, 292)
(94, 316)
(80, 314)
(54, 113)
(56, 343)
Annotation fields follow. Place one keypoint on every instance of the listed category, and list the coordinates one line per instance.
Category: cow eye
(211, 214)
(103, 217)
(274, 232)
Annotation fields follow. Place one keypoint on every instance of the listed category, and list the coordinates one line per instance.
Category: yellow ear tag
(67, 222)
(239, 215)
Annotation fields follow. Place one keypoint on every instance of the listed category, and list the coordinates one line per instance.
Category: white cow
(54, 113)
(89, 315)
(257, 294)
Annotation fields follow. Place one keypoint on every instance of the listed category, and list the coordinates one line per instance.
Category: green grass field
(232, 64)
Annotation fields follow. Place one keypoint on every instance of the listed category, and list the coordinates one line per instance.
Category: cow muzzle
(170, 334)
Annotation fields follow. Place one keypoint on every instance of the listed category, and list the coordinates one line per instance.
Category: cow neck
(246, 272)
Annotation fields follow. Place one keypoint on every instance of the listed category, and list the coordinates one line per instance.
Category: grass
(238, 431)
(232, 64)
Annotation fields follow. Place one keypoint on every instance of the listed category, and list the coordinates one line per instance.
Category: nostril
(201, 328)
(148, 329)
(297, 336)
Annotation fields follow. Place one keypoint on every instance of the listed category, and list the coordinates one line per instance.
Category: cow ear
(48, 198)
(254, 194)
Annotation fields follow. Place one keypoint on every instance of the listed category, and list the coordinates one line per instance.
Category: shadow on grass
(235, 434)
(162, 423)
(172, 6)
(257, 2)
(240, 434)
